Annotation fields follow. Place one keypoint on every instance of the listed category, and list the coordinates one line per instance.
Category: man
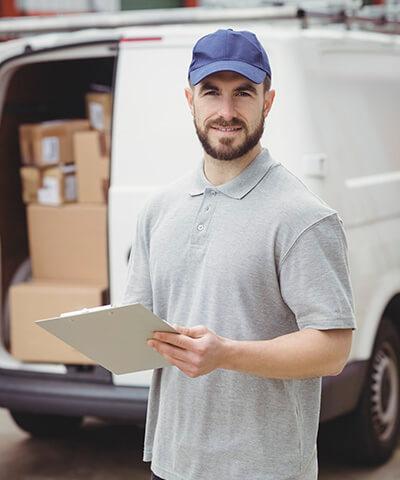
(251, 268)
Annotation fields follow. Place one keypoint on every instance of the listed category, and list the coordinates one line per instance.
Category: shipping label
(96, 114)
(50, 150)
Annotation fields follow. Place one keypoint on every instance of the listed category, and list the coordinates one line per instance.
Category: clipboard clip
(87, 310)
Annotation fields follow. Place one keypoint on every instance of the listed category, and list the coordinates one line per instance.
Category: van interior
(36, 92)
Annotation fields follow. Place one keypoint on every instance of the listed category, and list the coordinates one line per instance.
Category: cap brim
(254, 74)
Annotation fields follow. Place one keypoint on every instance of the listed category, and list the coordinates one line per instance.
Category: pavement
(103, 451)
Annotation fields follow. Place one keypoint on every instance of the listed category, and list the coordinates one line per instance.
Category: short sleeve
(314, 277)
(138, 287)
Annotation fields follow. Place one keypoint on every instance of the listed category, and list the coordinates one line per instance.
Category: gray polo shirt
(255, 258)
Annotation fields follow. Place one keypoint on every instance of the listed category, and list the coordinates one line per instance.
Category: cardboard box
(25, 143)
(105, 178)
(99, 109)
(105, 143)
(92, 167)
(105, 186)
(68, 242)
(49, 143)
(38, 300)
(31, 182)
(49, 186)
(58, 185)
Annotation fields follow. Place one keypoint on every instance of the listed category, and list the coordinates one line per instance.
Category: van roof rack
(381, 18)
(384, 18)
(171, 16)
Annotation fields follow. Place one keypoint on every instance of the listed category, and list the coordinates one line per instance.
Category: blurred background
(91, 97)
(15, 8)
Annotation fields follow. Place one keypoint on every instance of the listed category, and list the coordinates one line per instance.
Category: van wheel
(44, 425)
(369, 435)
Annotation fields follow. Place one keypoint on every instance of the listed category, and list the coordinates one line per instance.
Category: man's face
(229, 113)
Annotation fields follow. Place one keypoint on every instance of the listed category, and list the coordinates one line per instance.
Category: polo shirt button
(200, 226)
(207, 209)
(213, 192)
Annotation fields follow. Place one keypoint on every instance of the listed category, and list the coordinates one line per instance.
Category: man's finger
(166, 349)
(182, 366)
(179, 340)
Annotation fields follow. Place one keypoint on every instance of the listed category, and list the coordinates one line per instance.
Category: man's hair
(266, 84)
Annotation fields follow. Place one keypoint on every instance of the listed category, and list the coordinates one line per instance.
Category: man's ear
(268, 101)
(189, 98)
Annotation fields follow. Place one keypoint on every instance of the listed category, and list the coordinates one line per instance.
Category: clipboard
(112, 336)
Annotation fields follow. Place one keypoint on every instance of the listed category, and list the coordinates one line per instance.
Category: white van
(334, 124)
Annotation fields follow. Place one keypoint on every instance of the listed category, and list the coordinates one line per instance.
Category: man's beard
(225, 150)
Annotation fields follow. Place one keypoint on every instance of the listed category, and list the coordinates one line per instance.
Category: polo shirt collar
(239, 186)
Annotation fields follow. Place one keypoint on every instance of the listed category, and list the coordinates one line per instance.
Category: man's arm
(302, 354)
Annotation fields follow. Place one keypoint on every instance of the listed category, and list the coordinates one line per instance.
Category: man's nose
(227, 109)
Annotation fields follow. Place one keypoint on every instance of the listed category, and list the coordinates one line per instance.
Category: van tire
(45, 425)
(363, 436)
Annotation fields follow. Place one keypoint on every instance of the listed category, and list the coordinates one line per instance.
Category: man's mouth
(227, 129)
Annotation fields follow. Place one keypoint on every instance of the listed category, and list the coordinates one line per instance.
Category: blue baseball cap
(236, 51)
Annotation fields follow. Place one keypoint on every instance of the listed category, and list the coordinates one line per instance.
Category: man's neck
(218, 172)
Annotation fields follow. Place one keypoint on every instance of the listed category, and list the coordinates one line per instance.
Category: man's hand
(195, 351)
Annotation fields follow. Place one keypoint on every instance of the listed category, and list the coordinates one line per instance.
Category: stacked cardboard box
(49, 186)
(99, 109)
(48, 175)
(49, 143)
(92, 165)
(40, 299)
(68, 242)
(68, 249)
(92, 150)
(65, 182)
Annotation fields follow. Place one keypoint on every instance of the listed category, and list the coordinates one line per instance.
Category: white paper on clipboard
(113, 336)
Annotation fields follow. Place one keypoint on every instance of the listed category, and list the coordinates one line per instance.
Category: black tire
(369, 435)
(43, 425)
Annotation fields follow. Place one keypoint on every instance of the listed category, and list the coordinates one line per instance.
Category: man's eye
(211, 92)
(244, 93)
